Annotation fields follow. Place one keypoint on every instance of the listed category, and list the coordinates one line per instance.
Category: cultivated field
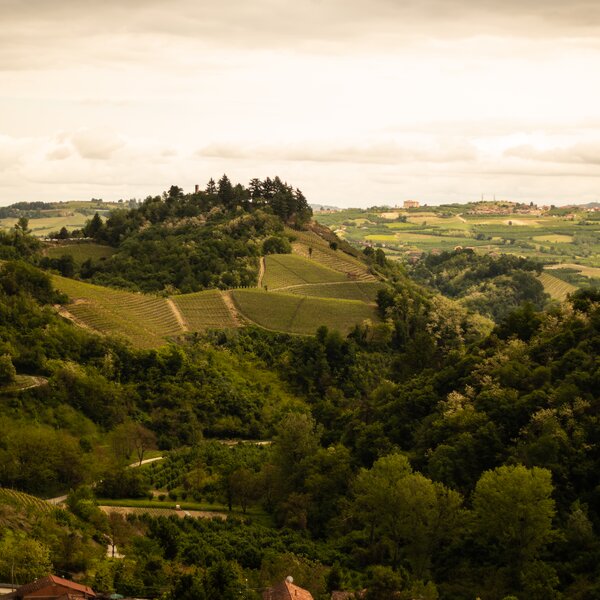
(143, 319)
(323, 254)
(79, 251)
(283, 270)
(364, 291)
(162, 512)
(204, 310)
(554, 286)
(44, 226)
(300, 314)
(23, 500)
(550, 238)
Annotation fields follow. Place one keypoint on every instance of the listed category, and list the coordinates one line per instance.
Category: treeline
(190, 242)
(490, 286)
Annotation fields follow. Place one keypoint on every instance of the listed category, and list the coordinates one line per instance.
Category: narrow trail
(460, 218)
(65, 314)
(232, 308)
(261, 271)
(182, 322)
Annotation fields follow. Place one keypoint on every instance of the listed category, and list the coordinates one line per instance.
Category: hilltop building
(411, 204)
(51, 588)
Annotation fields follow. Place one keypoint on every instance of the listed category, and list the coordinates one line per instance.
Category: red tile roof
(52, 580)
(286, 591)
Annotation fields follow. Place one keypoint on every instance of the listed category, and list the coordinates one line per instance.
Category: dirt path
(65, 314)
(182, 322)
(159, 510)
(232, 308)
(460, 218)
(261, 271)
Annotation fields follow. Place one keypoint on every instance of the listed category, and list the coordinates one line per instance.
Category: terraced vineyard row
(334, 259)
(364, 291)
(282, 270)
(143, 319)
(21, 499)
(204, 310)
(301, 314)
(557, 288)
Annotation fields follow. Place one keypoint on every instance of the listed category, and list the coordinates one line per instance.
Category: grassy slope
(300, 314)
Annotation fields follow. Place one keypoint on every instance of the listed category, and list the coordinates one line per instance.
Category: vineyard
(334, 259)
(364, 291)
(300, 314)
(143, 319)
(204, 310)
(80, 252)
(554, 286)
(283, 270)
(23, 500)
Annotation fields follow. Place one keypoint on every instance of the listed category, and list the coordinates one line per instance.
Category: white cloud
(97, 143)
(581, 153)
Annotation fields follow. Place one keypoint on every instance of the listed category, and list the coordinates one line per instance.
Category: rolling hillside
(284, 270)
(300, 314)
(309, 244)
(144, 320)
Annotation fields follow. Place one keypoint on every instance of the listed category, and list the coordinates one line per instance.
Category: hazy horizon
(357, 103)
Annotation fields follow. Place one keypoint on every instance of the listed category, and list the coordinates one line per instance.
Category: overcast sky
(357, 102)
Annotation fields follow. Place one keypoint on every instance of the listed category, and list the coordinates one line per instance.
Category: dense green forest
(450, 451)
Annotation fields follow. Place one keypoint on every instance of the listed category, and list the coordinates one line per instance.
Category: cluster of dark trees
(491, 286)
(189, 242)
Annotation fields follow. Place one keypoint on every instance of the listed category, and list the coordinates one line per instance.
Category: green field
(79, 251)
(204, 310)
(283, 270)
(300, 314)
(554, 286)
(42, 227)
(548, 237)
(143, 319)
(364, 291)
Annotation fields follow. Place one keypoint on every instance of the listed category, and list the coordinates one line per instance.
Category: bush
(8, 373)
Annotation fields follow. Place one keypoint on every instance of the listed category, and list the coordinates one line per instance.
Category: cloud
(59, 153)
(38, 32)
(580, 153)
(377, 153)
(97, 144)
